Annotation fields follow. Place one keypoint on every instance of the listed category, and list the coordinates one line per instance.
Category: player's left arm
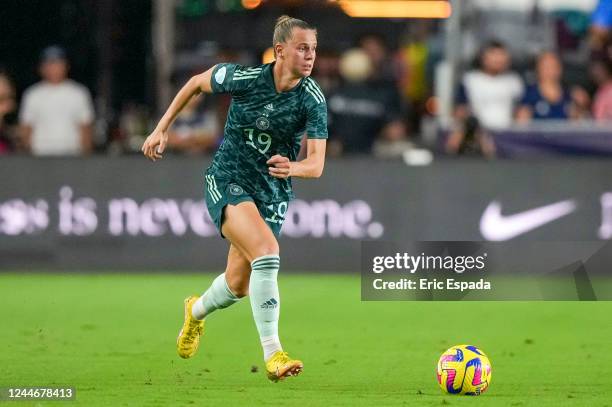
(310, 167)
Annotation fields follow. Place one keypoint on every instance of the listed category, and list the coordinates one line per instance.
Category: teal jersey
(262, 123)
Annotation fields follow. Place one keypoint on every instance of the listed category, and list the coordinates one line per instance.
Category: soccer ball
(464, 369)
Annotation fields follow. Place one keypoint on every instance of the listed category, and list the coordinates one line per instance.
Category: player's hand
(155, 145)
(279, 166)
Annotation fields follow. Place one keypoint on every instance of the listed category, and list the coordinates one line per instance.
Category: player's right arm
(155, 144)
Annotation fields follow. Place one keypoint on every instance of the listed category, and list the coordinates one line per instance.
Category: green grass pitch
(113, 337)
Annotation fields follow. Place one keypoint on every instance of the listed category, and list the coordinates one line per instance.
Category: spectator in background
(490, 92)
(363, 108)
(7, 107)
(602, 103)
(383, 66)
(194, 132)
(546, 99)
(392, 142)
(132, 125)
(471, 140)
(486, 101)
(413, 58)
(601, 22)
(57, 113)
(326, 71)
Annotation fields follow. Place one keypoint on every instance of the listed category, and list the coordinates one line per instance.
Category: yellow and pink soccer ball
(464, 369)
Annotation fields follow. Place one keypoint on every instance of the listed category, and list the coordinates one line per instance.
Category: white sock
(197, 310)
(270, 345)
(217, 296)
(265, 301)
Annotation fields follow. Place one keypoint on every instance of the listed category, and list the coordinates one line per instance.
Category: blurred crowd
(378, 99)
(56, 115)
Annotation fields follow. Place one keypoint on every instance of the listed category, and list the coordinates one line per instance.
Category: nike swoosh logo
(497, 227)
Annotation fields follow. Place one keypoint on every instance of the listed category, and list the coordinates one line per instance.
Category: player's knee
(240, 288)
(266, 251)
(265, 248)
(238, 285)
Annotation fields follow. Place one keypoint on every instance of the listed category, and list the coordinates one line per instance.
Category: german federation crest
(262, 123)
(236, 189)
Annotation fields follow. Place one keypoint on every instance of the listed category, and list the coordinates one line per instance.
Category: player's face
(301, 51)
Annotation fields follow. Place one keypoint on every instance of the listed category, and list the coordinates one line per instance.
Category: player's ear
(279, 50)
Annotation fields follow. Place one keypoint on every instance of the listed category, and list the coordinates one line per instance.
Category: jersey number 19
(264, 140)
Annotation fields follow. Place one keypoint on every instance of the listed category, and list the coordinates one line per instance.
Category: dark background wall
(101, 213)
(90, 30)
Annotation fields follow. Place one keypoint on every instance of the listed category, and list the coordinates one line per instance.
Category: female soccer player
(248, 184)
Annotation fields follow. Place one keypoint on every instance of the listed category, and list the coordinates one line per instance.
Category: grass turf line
(113, 338)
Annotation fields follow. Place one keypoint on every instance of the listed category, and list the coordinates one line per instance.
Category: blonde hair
(284, 29)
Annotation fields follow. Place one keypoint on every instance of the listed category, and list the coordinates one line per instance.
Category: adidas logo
(271, 303)
(269, 106)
